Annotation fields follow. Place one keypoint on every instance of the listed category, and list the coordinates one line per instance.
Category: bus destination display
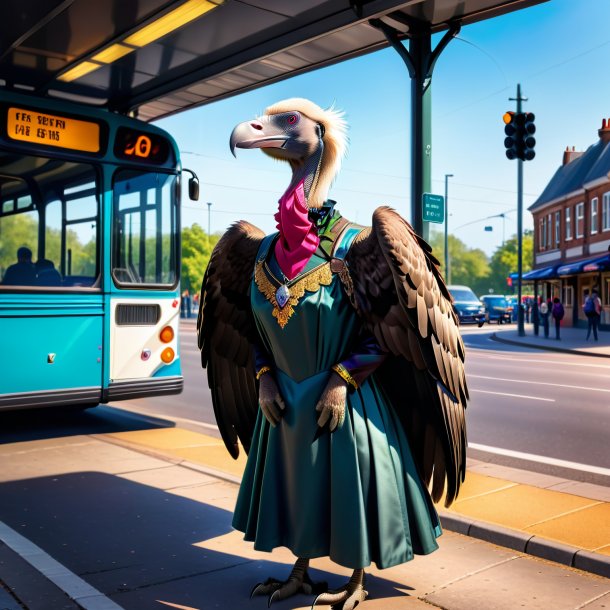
(141, 146)
(53, 130)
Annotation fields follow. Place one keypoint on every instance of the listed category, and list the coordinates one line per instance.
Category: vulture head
(312, 140)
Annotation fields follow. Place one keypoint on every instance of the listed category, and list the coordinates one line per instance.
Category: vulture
(334, 357)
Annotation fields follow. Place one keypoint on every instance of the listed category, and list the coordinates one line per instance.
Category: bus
(89, 255)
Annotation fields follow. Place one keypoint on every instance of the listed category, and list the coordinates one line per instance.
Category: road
(550, 406)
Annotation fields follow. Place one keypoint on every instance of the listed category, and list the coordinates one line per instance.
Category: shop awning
(544, 273)
(580, 266)
(599, 264)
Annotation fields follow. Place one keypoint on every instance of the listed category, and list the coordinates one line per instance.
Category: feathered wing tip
(335, 140)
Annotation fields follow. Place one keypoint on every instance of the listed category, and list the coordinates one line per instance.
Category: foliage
(470, 266)
(196, 251)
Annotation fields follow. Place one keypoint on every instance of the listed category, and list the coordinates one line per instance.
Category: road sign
(433, 208)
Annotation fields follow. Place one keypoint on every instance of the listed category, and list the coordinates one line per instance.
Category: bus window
(54, 215)
(145, 229)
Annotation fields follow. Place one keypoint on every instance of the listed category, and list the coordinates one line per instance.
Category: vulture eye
(292, 119)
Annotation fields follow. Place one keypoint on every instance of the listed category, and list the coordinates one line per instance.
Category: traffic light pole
(520, 321)
(420, 60)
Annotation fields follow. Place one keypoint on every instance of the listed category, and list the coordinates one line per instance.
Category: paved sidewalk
(164, 538)
(572, 340)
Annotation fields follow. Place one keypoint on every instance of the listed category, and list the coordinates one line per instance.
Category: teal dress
(353, 495)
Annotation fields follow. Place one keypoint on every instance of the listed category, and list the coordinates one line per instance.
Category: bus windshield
(145, 229)
(49, 223)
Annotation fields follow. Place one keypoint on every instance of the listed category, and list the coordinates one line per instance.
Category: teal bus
(89, 255)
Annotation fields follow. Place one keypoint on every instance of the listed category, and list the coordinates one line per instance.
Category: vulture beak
(257, 134)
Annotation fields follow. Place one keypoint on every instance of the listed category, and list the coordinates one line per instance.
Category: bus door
(145, 302)
(51, 302)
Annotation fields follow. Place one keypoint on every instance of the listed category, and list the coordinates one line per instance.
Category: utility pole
(209, 213)
(447, 272)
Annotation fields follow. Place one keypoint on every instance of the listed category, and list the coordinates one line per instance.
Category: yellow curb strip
(569, 512)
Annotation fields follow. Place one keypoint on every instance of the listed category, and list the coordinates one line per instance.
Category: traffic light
(519, 129)
(529, 129)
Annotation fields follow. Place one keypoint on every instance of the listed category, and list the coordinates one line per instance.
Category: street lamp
(447, 278)
(209, 212)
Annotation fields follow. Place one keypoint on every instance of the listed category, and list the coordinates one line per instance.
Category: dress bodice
(316, 327)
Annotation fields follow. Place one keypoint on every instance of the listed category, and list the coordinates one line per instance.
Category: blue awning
(598, 264)
(579, 266)
(544, 273)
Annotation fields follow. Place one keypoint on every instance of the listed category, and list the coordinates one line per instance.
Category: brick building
(572, 230)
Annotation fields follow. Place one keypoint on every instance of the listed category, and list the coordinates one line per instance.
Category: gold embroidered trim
(310, 282)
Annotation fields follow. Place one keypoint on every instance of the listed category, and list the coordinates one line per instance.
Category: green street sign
(433, 208)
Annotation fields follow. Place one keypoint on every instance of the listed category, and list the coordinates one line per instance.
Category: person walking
(535, 315)
(592, 308)
(557, 312)
(545, 312)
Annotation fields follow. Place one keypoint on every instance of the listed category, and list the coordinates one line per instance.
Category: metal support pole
(420, 60)
(520, 322)
(447, 268)
(209, 214)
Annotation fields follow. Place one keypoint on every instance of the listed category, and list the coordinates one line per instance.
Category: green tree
(196, 252)
(468, 266)
(504, 261)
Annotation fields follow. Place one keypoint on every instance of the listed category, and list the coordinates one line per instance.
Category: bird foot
(346, 597)
(298, 582)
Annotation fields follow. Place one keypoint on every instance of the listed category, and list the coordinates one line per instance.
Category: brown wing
(226, 333)
(401, 296)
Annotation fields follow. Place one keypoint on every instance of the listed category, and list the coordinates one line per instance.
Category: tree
(504, 261)
(468, 266)
(196, 251)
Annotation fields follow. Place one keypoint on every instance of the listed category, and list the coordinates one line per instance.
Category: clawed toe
(345, 598)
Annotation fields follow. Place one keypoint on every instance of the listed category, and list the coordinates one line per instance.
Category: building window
(568, 296)
(606, 212)
(549, 231)
(594, 215)
(557, 229)
(580, 219)
(541, 234)
(569, 223)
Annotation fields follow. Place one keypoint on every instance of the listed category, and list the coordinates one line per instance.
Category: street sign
(433, 208)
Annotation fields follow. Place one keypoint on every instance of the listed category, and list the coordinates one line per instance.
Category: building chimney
(604, 132)
(570, 155)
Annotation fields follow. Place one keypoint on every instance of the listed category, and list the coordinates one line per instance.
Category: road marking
(546, 362)
(72, 585)
(554, 385)
(511, 395)
(542, 459)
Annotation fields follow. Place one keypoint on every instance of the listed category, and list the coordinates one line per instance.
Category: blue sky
(560, 53)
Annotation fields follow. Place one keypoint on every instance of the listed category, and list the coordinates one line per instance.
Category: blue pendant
(282, 294)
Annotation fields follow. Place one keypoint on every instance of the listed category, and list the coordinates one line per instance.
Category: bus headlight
(167, 355)
(167, 334)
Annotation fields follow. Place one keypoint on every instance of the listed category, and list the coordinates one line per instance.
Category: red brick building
(572, 230)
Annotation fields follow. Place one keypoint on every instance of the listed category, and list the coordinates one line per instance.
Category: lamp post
(447, 276)
(209, 212)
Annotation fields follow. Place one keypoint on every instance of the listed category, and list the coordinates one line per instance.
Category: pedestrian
(535, 315)
(557, 312)
(545, 312)
(592, 308)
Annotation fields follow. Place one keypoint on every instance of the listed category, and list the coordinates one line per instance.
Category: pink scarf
(298, 236)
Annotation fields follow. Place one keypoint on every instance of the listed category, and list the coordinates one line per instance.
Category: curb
(543, 548)
(547, 348)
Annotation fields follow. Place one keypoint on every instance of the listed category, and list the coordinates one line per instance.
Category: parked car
(467, 305)
(497, 308)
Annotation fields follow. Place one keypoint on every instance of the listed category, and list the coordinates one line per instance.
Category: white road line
(542, 459)
(518, 360)
(554, 385)
(511, 395)
(72, 585)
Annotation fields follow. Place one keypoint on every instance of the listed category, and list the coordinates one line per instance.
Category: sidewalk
(178, 550)
(572, 340)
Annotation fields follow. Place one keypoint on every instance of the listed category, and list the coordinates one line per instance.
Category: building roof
(593, 164)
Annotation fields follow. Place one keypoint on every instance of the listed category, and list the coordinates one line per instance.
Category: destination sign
(53, 130)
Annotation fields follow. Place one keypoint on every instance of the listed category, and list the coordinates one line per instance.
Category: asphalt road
(550, 407)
